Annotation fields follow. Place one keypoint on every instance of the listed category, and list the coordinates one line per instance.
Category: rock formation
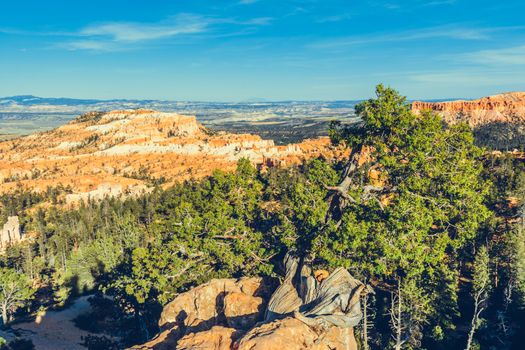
(10, 233)
(502, 108)
(227, 314)
(124, 152)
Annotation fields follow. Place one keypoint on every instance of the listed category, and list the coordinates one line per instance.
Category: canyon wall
(502, 108)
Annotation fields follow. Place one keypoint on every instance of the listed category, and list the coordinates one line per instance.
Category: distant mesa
(502, 108)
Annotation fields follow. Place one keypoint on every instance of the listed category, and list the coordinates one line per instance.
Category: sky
(215, 50)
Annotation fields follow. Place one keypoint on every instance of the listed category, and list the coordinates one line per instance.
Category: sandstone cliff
(124, 152)
(502, 108)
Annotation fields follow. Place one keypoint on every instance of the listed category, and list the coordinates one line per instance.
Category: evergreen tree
(15, 291)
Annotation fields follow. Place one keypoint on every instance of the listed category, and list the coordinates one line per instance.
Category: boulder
(242, 311)
(210, 315)
(212, 303)
(292, 334)
(217, 338)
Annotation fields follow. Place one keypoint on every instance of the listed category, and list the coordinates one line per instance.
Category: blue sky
(275, 49)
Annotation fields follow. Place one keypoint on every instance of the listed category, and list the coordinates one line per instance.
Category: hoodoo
(128, 151)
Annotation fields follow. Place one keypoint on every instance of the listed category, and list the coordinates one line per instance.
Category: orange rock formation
(121, 152)
(227, 314)
(503, 108)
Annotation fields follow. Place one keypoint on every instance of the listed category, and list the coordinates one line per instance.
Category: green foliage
(481, 272)
(15, 291)
(517, 263)
(209, 233)
(303, 204)
(433, 180)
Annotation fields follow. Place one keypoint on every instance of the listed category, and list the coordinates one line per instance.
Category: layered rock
(124, 152)
(502, 108)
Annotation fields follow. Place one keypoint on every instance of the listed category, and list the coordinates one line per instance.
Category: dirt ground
(55, 330)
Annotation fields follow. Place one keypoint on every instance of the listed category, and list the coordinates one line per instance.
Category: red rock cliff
(503, 108)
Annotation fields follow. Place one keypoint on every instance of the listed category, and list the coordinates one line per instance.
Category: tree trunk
(473, 324)
(399, 325)
(365, 322)
(4, 314)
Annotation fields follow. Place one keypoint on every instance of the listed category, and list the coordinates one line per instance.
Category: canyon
(127, 152)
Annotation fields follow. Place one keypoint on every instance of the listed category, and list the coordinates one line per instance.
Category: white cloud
(334, 18)
(132, 32)
(439, 2)
(469, 78)
(506, 56)
(247, 2)
(117, 36)
(446, 32)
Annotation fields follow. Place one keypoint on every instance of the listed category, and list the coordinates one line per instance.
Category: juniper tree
(410, 197)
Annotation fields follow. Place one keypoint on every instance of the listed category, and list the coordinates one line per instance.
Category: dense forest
(431, 221)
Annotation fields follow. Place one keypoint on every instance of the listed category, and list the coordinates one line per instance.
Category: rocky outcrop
(229, 314)
(292, 334)
(239, 302)
(124, 152)
(502, 108)
(212, 315)
(10, 233)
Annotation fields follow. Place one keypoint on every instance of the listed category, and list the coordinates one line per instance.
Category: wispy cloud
(117, 36)
(443, 32)
(334, 18)
(505, 56)
(438, 2)
(466, 77)
(248, 2)
(411, 4)
(133, 32)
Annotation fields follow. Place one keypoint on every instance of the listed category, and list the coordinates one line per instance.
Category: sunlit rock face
(10, 233)
(123, 152)
(502, 108)
(228, 314)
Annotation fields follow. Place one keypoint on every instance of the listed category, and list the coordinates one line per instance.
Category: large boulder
(193, 316)
(292, 334)
(205, 306)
